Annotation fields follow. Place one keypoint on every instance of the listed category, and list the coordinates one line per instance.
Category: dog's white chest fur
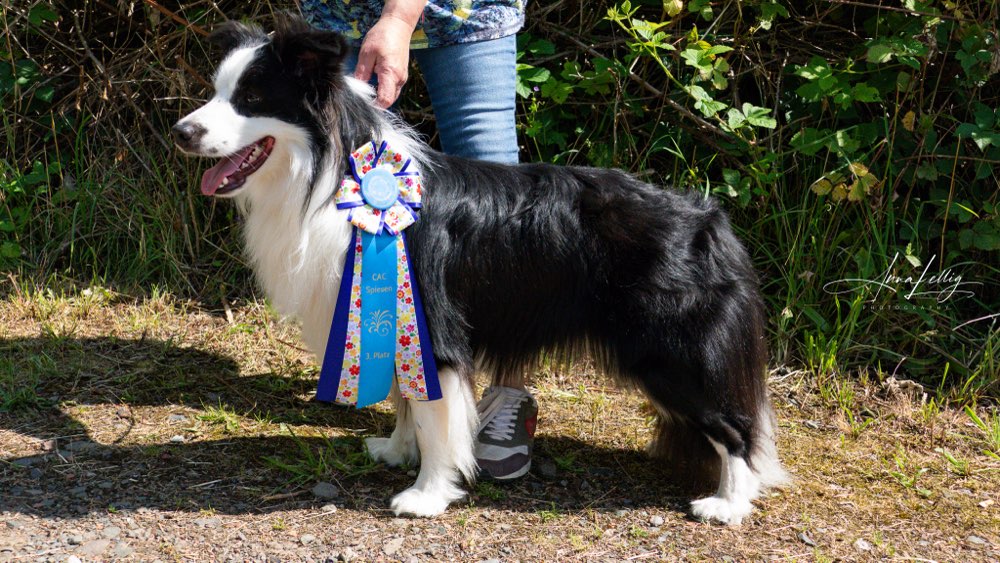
(298, 256)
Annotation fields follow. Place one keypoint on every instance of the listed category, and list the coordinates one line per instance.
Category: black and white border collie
(513, 261)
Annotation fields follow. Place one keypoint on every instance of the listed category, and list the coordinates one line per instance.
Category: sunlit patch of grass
(489, 490)
(340, 456)
(989, 426)
(221, 415)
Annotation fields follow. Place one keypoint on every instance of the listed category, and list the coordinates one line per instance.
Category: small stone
(490, 561)
(208, 522)
(36, 473)
(27, 461)
(347, 554)
(861, 545)
(307, 539)
(326, 490)
(15, 524)
(80, 446)
(177, 418)
(123, 412)
(329, 508)
(75, 539)
(94, 547)
(73, 559)
(656, 521)
(392, 546)
(621, 512)
(111, 532)
(976, 540)
(804, 538)
(547, 469)
(411, 473)
(178, 439)
(122, 550)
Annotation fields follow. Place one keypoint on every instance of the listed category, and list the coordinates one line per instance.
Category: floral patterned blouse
(444, 22)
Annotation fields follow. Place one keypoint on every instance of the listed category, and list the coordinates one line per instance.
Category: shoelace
(500, 415)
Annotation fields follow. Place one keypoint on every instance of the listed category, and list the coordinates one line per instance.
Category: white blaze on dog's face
(264, 117)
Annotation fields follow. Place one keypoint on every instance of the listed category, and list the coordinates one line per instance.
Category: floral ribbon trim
(403, 212)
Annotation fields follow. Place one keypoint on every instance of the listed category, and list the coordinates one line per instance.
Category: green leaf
(556, 90)
(45, 94)
(718, 49)
(673, 7)
(40, 13)
(10, 250)
(809, 141)
(983, 139)
(879, 53)
(761, 117)
(701, 7)
(769, 11)
(845, 141)
(541, 47)
(529, 73)
(862, 92)
(735, 118)
(704, 102)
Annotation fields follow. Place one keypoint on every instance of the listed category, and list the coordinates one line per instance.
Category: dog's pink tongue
(212, 177)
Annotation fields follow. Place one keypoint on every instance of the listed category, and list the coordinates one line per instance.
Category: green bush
(850, 141)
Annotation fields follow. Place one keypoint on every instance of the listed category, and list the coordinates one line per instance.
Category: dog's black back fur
(652, 282)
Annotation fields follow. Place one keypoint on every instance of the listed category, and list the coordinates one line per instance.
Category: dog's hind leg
(445, 432)
(401, 446)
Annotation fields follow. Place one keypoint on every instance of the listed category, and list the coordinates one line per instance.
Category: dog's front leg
(401, 446)
(445, 431)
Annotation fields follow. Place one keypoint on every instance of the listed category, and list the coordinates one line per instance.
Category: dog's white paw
(390, 452)
(417, 502)
(730, 512)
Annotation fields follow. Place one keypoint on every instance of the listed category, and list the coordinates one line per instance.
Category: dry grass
(94, 365)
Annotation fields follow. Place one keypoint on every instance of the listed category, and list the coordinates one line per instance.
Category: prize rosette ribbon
(379, 333)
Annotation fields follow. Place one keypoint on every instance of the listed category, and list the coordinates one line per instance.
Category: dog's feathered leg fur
(444, 431)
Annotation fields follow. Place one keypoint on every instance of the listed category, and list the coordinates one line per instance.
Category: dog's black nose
(187, 135)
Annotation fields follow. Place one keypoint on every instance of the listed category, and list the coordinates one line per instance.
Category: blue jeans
(472, 93)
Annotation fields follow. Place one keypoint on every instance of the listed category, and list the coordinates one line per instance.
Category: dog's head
(270, 91)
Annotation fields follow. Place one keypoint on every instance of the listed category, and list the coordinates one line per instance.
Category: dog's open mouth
(232, 171)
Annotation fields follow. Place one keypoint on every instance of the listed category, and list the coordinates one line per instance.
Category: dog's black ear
(232, 34)
(313, 55)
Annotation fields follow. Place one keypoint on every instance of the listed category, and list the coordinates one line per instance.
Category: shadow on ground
(126, 389)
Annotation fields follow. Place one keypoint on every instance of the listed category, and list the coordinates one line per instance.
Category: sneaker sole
(519, 473)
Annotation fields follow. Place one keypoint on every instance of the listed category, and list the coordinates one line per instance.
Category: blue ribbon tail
(333, 359)
(378, 318)
(431, 382)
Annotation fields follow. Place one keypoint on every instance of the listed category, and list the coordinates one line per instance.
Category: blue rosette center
(379, 188)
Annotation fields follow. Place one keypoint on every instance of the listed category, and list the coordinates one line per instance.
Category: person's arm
(386, 48)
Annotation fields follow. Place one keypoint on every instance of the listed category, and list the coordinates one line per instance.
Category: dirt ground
(151, 429)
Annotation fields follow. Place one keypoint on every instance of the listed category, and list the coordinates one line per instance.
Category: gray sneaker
(507, 418)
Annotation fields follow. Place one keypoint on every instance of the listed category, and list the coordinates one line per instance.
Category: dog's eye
(251, 98)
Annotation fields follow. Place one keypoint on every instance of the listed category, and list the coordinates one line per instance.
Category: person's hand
(386, 52)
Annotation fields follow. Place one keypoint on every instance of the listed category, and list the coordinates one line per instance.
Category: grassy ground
(152, 428)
